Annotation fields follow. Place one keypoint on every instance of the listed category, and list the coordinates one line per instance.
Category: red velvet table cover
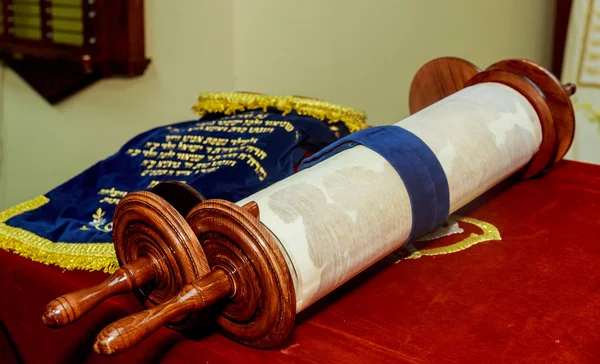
(532, 296)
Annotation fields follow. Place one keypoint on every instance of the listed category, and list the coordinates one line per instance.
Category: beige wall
(365, 53)
(356, 52)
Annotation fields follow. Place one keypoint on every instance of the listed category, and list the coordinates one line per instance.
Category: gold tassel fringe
(83, 256)
(229, 103)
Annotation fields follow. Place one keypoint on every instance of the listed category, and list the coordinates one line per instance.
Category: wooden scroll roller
(258, 262)
(156, 249)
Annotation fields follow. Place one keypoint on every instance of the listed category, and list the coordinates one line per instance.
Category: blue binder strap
(415, 163)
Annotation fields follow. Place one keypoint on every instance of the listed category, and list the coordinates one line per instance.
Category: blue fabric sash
(415, 163)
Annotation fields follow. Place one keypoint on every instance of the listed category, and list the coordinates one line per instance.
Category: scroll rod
(70, 307)
(248, 277)
(569, 88)
(221, 282)
(130, 330)
(151, 239)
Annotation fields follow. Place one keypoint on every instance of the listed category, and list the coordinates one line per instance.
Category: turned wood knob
(145, 224)
(569, 88)
(129, 331)
(558, 129)
(444, 76)
(249, 278)
(157, 251)
(70, 307)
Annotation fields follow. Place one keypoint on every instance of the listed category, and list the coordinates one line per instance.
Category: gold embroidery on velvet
(232, 102)
(155, 182)
(84, 256)
(99, 222)
(490, 232)
(112, 196)
(187, 155)
(112, 192)
(178, 151)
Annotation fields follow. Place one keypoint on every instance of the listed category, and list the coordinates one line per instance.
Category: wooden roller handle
(570, 88)
(70, 307)
(129, 331)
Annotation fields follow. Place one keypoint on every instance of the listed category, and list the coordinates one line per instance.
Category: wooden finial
(438, 79)
(70, 307)
(129, 331)
(249, 277)
(157, 251)
(262, 308)
(145, 224)
(556, 96)
(252, 208)
(569, 89)
(444, 76)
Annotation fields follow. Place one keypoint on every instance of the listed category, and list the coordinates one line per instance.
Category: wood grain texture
(70, 307)
(131, 330)
(262, 309)
(249, 275)
(556, 95)
(438, 79)
(156, 249)
(252, 208)
(141, 244)
(521, 84)
(475, 306)
(147, 225)
(443, 76)
(218, 253)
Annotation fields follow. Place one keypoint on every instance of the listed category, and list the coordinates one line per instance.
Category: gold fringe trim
(231, 102)
(83, 256)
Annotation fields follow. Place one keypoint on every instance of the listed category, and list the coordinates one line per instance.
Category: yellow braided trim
(85, 256)
(232, 102)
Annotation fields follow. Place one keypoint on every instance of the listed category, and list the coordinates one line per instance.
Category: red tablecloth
(533, 296)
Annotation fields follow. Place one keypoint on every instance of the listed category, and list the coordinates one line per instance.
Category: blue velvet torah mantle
(223, 156)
